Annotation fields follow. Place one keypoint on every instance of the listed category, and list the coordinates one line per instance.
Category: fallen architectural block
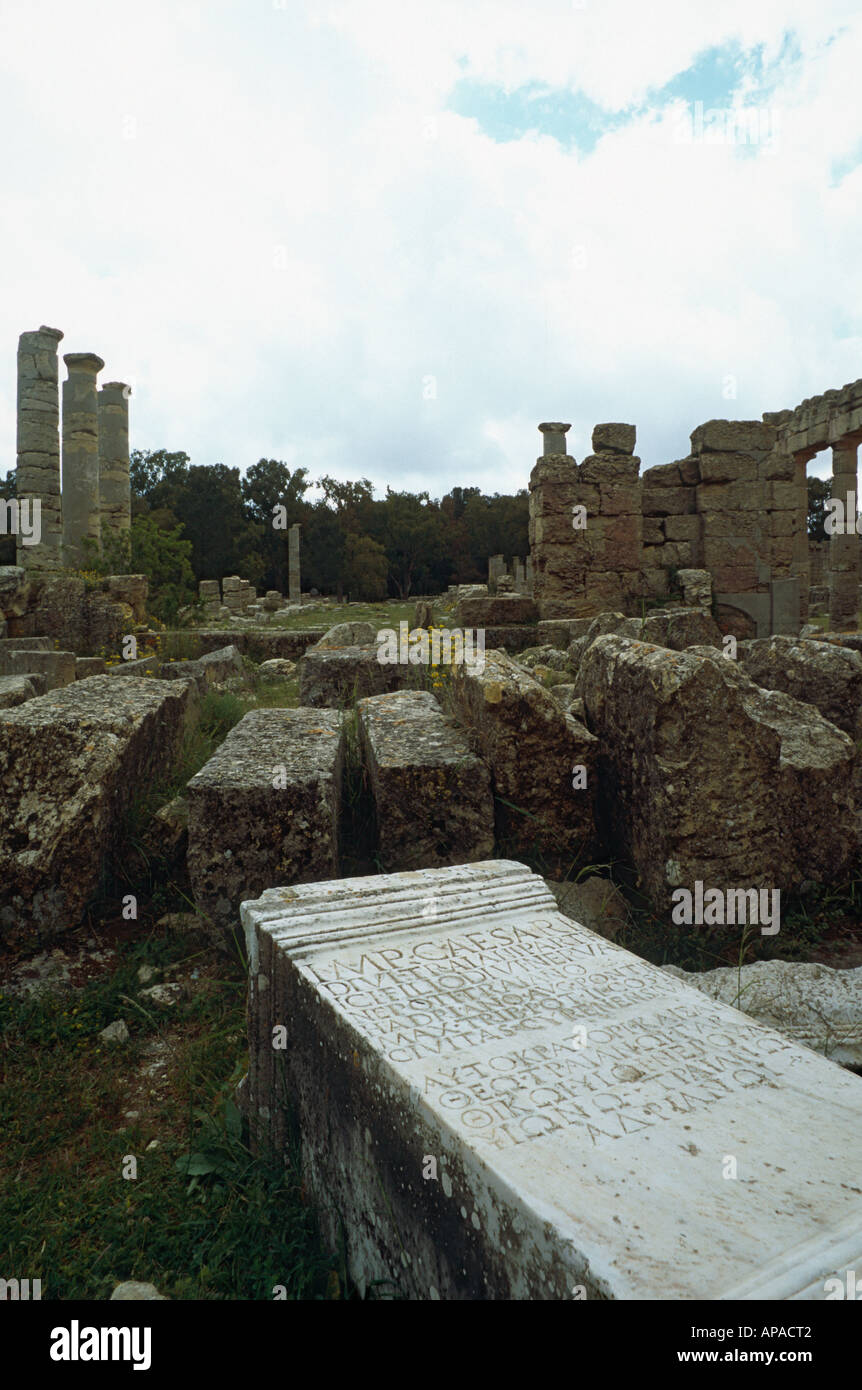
(264, 809)
(210, 669)
(496, 1103)
(141, 666)
(806, 1002)
(507, 610)
(334, 676)
(89, 666)
(533, 748)
(822, 674)
(26, 644)
(58, 668)
(14, 690)
(705, 776)
(431, 793)
(71, 761)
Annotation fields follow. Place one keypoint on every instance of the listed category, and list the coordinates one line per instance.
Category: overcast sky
(385, 238)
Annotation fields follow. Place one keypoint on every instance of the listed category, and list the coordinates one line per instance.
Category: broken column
(38, 446)
(293, 576)
(81, 519)
(844, 548)
(496, 569)
(115, 499)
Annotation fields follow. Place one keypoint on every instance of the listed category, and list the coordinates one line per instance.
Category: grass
(229, 1226)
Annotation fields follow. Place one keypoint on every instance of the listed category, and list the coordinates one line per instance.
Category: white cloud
(269, 223)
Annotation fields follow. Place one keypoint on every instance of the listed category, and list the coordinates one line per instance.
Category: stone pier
(293, 574)
(844, 549)
(115, 502)
(38, 447)
(81, 519)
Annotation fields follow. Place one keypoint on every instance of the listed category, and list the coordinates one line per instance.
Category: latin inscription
(469, 1003)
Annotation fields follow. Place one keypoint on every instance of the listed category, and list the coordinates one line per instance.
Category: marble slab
(495, 1102)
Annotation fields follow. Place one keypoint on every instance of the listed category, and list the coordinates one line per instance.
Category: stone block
(731, 436)
(696, 587)
(705, 776)
(432, 795)
(495, 1103)
(89, 666)
(653, 530)
(25, 644)
(334, 677)
(58, 668)
(231, 584)
(818, 673)
(14, 591)
(682, 528)
(668, 501)
(507, 610)
(610, 470)
(662, 475)
(209, 589)
(619, 439)
(728, 468)
(264, 809)
(531, 746)
(71, 761)
(141, 666)
(14, 690)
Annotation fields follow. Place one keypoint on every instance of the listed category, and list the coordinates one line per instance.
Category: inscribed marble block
(498, 1103)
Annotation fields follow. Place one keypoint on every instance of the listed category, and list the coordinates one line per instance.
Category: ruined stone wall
(736, 506)
(82, 618)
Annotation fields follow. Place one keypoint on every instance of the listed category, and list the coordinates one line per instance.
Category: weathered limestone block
(617, 438)
(210, 669)
(704, 776)
(38, 447)
(696, 587)
(231, 584)
(593, 902)
(81, 517)
(811, 1004)
(826, 676)
(58, 668)
(730, 436)
(89, 666)
(677, 630)
(559, 632)
(511, 639)
(71, 762)
(331, 677)
(668, 501)
(349, 635)
(431, 793)
(531, 746)
(507, 610)
(728, 468)
(209, 589)
(552, 657)
(264, 809)
(131, 589)
(730, 497)
(14, 590)
(14, 690)
(653, 531)
(141, 666)
(26, 644)
(682, 528)
(576, 1102)
(272, 601)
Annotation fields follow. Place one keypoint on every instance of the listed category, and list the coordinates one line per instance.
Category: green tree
(366, 568)
(165, 558)
(819, 492)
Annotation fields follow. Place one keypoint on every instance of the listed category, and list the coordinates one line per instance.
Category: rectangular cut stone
(89, 666)
(532, 748)
(506, 610)
(500, 1104)
(71, 762)
(719, 436)
(333, 676)
(432, 794)
(58, 668)
(264, 809)
(14, 690)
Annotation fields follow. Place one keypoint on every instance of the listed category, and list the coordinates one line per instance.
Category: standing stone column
(496, 568)
(81, 518)
(844, 549)
(115, 497)
(293, 576)
(38, 447)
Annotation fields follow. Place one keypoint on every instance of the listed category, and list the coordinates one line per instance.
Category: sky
(387, 238)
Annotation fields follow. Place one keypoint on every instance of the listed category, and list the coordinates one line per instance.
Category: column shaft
(38, 449)
(115, 503)
(81, 518)
(844, 549)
